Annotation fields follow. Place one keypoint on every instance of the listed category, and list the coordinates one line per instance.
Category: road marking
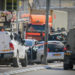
(25, 70)
(31, 69)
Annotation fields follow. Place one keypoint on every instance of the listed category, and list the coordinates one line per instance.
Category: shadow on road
(49, 68)
(55, 68)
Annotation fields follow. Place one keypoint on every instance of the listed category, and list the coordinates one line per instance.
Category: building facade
(1, 4)
(61, 5)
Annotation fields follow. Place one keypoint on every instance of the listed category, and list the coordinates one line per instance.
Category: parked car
(17, 52)
(55, 51)
(58, 37)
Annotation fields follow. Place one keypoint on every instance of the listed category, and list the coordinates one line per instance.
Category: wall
(60, 19)
(71, 18)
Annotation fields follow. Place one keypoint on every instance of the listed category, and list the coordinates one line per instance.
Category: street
(37, 37)
(58, 71)
(53, 68)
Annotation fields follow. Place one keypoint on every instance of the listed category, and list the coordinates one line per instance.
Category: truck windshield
(36, 28)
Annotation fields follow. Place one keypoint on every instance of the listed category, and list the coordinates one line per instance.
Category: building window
(9, 5)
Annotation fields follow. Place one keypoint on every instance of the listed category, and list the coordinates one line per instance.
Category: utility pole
(12, 15)
(24, 24)
(59, 3)
(46, 31)
(12, 5)
(5, 5)
(17, 16)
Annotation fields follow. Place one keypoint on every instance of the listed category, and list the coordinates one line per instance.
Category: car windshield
(36, 28)
(55, 47)
(28, 43)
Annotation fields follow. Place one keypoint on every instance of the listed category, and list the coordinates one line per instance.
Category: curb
(25, 70)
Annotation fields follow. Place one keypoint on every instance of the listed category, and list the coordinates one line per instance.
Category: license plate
(57, 54)
(7, 55)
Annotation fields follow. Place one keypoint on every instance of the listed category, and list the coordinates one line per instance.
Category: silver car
(55, 51)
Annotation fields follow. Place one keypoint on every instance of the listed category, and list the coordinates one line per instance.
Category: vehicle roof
(59, 33)
(51, 42)
(56, 42)
(56, 33)
(30, 39)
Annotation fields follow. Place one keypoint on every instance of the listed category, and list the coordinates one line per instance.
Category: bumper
(55, 56)
(6, 55)
(56, 59)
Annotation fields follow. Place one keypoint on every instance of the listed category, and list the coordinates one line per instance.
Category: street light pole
(5, 5)
(12, 5)
(17, 16)
(12, 17)
(46, 31)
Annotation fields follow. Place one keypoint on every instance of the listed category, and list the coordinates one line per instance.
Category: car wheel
(16, 61)
(71, 66)
(24, 61)
(66, 66)
(66, 63)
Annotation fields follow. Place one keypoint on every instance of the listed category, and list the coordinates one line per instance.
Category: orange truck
(36, 27)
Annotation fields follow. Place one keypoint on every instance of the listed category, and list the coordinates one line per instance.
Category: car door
(40, 52)
(1, 42)
(6, 41)
(21, 47)
(34, 52)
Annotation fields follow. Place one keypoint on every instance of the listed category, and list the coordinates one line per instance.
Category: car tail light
(65, 48)
(48, 50)
(11, 46)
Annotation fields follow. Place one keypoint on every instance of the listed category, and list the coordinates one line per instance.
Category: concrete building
(1, 4)
(62, 5)
(6, 5)
(39, 6)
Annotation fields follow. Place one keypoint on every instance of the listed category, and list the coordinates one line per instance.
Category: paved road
(33, 69)
(5, 68)
(57, 71)
(8, 69)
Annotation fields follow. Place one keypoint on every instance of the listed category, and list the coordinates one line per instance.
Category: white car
(55, 51)
(19, 50)
(13, 49)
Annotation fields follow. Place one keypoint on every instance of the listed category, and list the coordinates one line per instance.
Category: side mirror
(35, 48)
(11, 36)
(23, 42)
(15, 36)
(68, 47)
(19, 33)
